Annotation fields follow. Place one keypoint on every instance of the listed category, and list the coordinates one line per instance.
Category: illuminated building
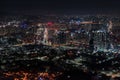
(45, 36)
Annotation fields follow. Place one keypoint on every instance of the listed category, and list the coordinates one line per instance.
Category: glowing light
(23, 25)
(40, 78)
(39, 24)
(49, 23)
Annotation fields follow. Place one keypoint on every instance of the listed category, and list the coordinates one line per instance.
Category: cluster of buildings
(59, 44)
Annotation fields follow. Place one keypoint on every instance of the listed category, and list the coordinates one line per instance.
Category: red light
(49, 23)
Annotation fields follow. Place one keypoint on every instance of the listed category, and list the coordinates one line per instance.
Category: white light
(3, 26)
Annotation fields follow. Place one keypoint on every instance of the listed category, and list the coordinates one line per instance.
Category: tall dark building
(91, 44)
(61, 38)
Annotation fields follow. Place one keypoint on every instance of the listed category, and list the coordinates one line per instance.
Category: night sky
(60, 6)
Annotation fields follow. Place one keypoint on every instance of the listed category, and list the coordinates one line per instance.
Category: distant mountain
(62, 12)
(2, 13)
